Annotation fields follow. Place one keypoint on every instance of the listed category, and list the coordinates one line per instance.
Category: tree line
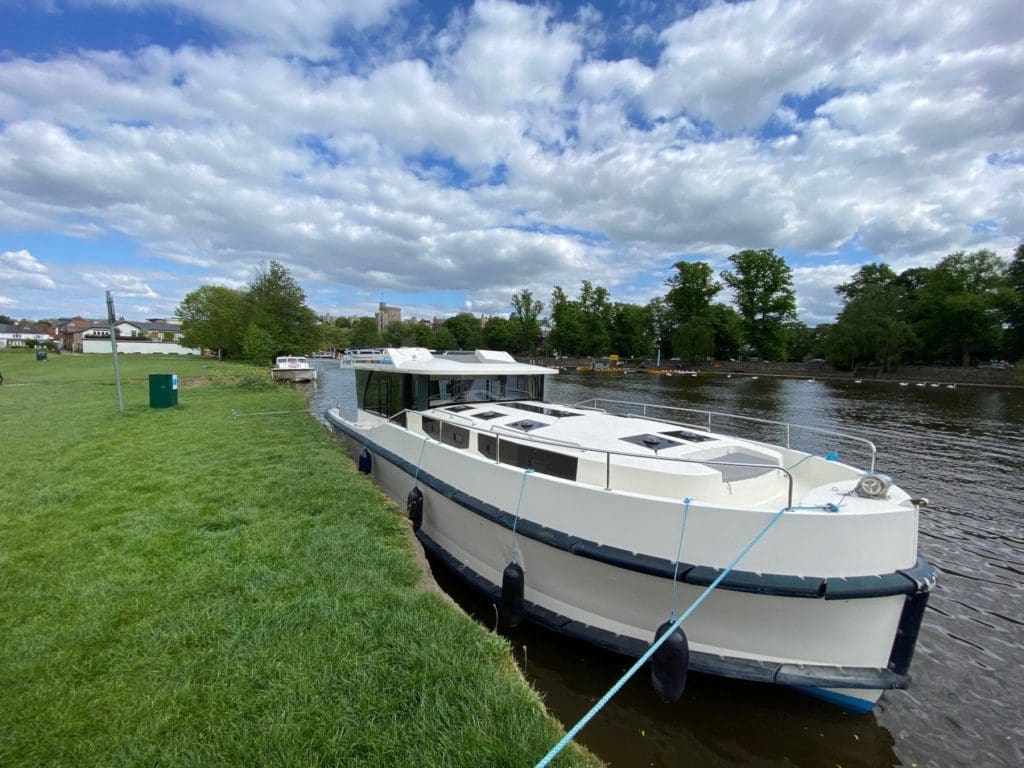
(968, 307)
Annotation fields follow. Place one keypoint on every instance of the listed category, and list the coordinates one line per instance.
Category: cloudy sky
(446, 155)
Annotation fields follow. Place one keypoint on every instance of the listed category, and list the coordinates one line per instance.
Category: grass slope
(178, 587)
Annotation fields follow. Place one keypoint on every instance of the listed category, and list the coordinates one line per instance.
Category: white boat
(620, 515)
(293, 368)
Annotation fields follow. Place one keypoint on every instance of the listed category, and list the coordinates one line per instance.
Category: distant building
(386, 315)
(146, 337)
(16, 336)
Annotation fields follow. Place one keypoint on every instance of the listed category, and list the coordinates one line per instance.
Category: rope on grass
(236, 415)
(544, 761)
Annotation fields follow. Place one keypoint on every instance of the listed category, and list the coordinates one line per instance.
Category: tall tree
(525, 319)
(874, 325)
(961, 306)
(1014, 345)
(498, 334)
(365, 334)
(691, 290)
(762, 286)
(275, 305)
(567, 335)
(632, 331)
(211, 318)
(596, 311)
(466, 330)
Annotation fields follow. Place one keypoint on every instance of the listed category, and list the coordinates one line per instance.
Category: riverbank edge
(992, 378)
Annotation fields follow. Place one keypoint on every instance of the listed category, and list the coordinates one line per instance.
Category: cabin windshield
(483, 389)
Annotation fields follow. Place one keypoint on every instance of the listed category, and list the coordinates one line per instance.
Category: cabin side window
(383, 392)
(443, 390)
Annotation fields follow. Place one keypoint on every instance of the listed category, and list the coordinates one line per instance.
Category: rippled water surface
(961, 448)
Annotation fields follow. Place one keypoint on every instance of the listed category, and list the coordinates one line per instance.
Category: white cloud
(20, 269)
(508, 152)
(286, 25)
(120, 285)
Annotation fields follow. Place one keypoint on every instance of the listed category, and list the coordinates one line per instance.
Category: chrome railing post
(607, 470)
(788, 446)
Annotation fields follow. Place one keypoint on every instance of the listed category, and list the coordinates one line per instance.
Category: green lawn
(178, 587)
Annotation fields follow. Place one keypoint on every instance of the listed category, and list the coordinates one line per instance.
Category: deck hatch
(527, 425)
(488, 415)
(692, 437)
(459, 408)
(654, 442)
(755, 465)
(541, 409)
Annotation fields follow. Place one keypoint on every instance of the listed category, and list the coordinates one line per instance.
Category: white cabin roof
(418, 360)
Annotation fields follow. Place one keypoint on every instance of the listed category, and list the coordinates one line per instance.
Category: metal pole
(113, 349)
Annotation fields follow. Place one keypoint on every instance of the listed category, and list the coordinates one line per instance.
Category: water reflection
(962, 448)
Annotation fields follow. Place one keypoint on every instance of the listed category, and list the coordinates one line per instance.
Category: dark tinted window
(453, 435)
(432, 427)
(546, 462)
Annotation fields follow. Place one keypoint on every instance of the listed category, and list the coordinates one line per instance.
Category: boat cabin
(393, 380)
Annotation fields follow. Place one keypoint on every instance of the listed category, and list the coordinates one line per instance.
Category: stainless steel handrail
(494, 430)
(708, 414)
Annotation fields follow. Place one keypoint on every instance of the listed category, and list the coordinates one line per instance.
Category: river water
(961, 448)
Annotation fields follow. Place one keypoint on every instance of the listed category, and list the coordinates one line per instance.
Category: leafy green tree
(276, 305)
(596, 316)
(396, 334)
(365, 334)
(211, 318)
(498, 334)
(259, 345)
(762, 286)
(343, 322)
(525, 319)
(800, 341)
(691, 290)
(868, 277)
(871, 329)
(662, 325)
(694, 340)
(961, 305)
(335, 337)
(727, 326)
(632, 331)
(1014, 344)
(466, 330)
(874, 325)
(442, 339)
(567, 335)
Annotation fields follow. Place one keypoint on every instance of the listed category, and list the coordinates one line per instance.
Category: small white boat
(293, 368)
(618, 515)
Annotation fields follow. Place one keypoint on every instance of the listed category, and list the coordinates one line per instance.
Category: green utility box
(163, 390)
(40, 354)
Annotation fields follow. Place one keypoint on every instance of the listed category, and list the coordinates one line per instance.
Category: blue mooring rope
(423, 445)
(518, 504)
(650, 651)
(679, 556)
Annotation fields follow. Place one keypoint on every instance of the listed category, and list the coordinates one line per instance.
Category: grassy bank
(178, 587)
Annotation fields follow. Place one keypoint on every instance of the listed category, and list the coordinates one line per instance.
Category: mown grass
(178, 587)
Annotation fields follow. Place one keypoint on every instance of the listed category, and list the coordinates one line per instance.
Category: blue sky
(446, 155)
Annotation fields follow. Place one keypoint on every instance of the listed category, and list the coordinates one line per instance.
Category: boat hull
(293, 374)
(838, 649)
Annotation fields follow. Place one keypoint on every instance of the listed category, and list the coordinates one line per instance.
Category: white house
(13, 336)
